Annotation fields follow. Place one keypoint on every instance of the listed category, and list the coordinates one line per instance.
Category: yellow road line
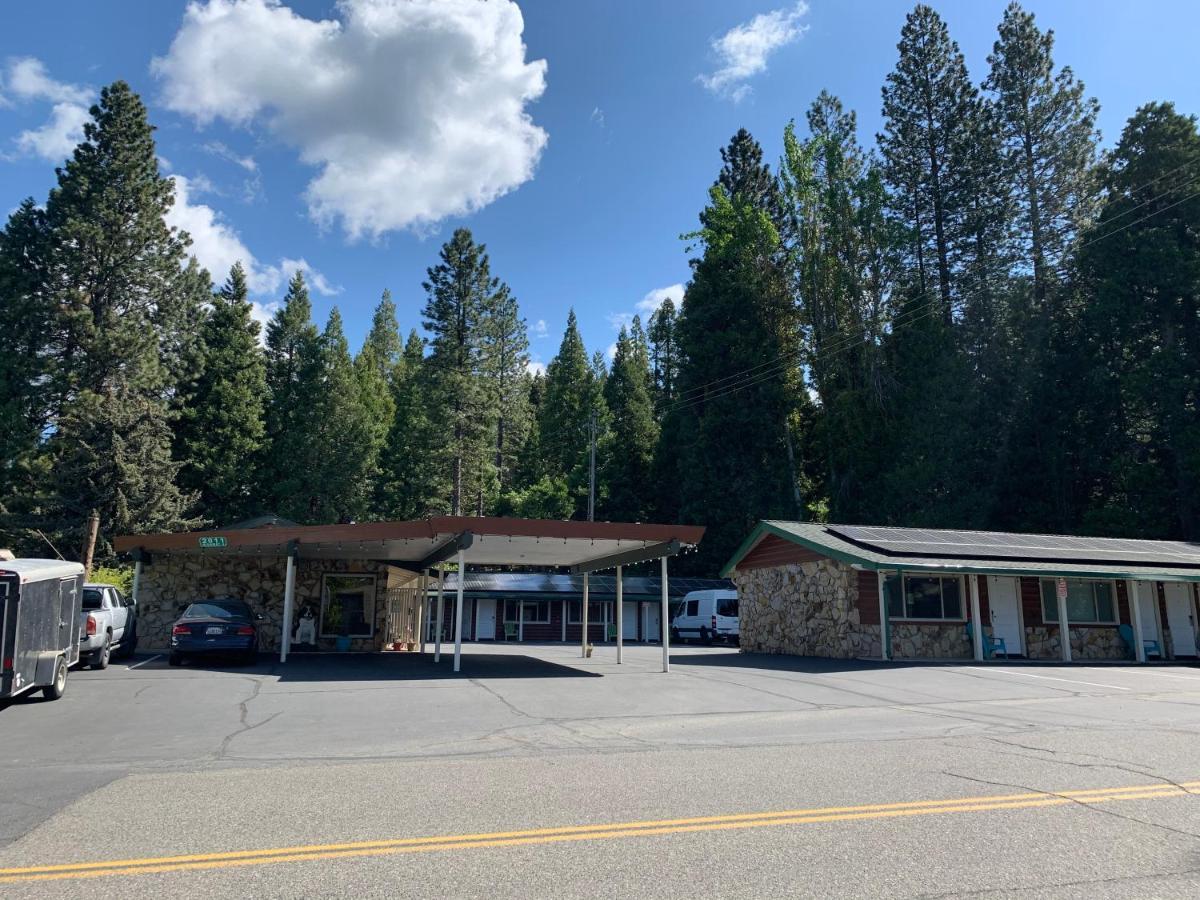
(589, 832)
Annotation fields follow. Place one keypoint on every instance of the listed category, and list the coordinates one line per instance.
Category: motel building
(382, 585)
(848, 591)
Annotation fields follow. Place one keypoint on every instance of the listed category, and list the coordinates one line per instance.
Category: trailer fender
(46, 663)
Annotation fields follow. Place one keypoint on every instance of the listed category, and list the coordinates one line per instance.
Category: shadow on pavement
(302, 667)
(778, 662)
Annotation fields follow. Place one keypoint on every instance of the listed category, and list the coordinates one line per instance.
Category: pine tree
(738, 314)
(346, 438)
(27, 323)
(221, 428)
(291, 455)
(403, 490)
(928, 107)
(459, 290)
(113, 268)
(570, 399)
(374, 369)
(1048, 130)
(628, 478)
(664, 355)
(505, 356)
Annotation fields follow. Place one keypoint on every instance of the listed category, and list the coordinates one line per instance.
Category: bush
(121, 576)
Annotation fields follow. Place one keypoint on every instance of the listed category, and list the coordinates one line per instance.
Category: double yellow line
(590, 832)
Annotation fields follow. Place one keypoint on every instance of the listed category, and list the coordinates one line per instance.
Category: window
(348, 606)
(218, 609)
(537, 612)
(1088, 602)
(92, 598)
(727, 608)
(924, 597)
(596, 612)
(693, 608)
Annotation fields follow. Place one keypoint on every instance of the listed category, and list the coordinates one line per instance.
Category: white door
(1148, 606)
(1004, 598)
(1181, 618)
(629, 621)
(485, 620)
(652, 630)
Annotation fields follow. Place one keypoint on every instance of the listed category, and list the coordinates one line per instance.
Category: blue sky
(578, 161)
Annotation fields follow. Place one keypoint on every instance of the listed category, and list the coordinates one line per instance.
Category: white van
(707, 616)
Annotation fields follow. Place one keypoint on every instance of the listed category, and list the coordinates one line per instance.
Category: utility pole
(89, 542)
(592, 470)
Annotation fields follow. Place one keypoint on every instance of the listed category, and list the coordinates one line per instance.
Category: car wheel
(55, 689)
(175, 659)
(103, 655)
(250, 657)
(705, 637)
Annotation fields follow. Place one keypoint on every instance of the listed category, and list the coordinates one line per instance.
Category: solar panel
(924, 542)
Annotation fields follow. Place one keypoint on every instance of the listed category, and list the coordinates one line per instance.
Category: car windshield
(92, 598)
(217, 609)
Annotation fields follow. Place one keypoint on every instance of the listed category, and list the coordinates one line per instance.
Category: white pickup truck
(108, 624)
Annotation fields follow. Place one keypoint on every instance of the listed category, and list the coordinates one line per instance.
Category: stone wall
(170, 582)
(930, 640)
(1090, 642)
(807, 609)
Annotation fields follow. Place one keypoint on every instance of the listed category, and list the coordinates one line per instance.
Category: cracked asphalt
(896, 771)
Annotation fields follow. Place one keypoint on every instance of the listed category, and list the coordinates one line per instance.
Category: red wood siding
(985, 609)
(775, 551)
(868, 598)
(1123, 604)
(1031, 601)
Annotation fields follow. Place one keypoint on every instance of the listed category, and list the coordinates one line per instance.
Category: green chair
(612, 632)
(1151, 646)
(510, 631)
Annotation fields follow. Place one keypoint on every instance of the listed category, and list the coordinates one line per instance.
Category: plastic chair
(612, 632)
(510, 631)
(991, 644)
(1148, 645)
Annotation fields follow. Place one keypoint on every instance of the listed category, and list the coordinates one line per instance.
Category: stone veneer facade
(168, 582)
(819, 607)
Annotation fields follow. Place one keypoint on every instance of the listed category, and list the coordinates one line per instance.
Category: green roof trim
(815, 536)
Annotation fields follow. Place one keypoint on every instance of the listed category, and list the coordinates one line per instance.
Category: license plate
(214, 629)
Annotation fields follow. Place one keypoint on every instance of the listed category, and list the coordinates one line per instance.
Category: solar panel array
(999, 545)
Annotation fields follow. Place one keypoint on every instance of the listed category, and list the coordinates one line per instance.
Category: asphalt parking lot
(539, 774)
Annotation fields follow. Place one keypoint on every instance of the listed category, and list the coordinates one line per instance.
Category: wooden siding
(775, 551)
(868, 598)
(1031, 601)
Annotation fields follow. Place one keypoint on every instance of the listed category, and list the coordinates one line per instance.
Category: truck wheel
(675, 636)
(174, 660)
(55, 689)
(705, 637)
(100, 660)
(129, 646)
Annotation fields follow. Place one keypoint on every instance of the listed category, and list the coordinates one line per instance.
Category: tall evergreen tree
(505, 358)
(928, 107)
(664, 354)
(375, 370)
(1048, 132)
(403, 489)
(221, 427)
(628, 479)
(348, 439)
(291, 455)
(113, 267)
(459, 290)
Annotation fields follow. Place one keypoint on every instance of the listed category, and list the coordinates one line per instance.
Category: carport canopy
(423, 544)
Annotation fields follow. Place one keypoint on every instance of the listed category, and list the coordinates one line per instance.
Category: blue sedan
(213, 627)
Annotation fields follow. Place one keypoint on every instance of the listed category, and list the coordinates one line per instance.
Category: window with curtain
(1088, 602)
(537, 612)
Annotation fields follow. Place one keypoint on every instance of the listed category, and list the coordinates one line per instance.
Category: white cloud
(743, 50)
(540, 330)
(611, 352)
(412, 110)
(535, 367)
(597, 116)
(217, 246)
(217, 148)
(620, 320)
(27, 81)
(650, 303)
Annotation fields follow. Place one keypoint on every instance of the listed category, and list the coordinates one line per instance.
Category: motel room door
(652, 625)
(1181, 618)
(629, 622)
(1004, 598)
(485, 620)
(1148, 606)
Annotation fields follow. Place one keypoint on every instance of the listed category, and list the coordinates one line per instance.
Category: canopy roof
(542, 543)
(984, 552)
(540, 584)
